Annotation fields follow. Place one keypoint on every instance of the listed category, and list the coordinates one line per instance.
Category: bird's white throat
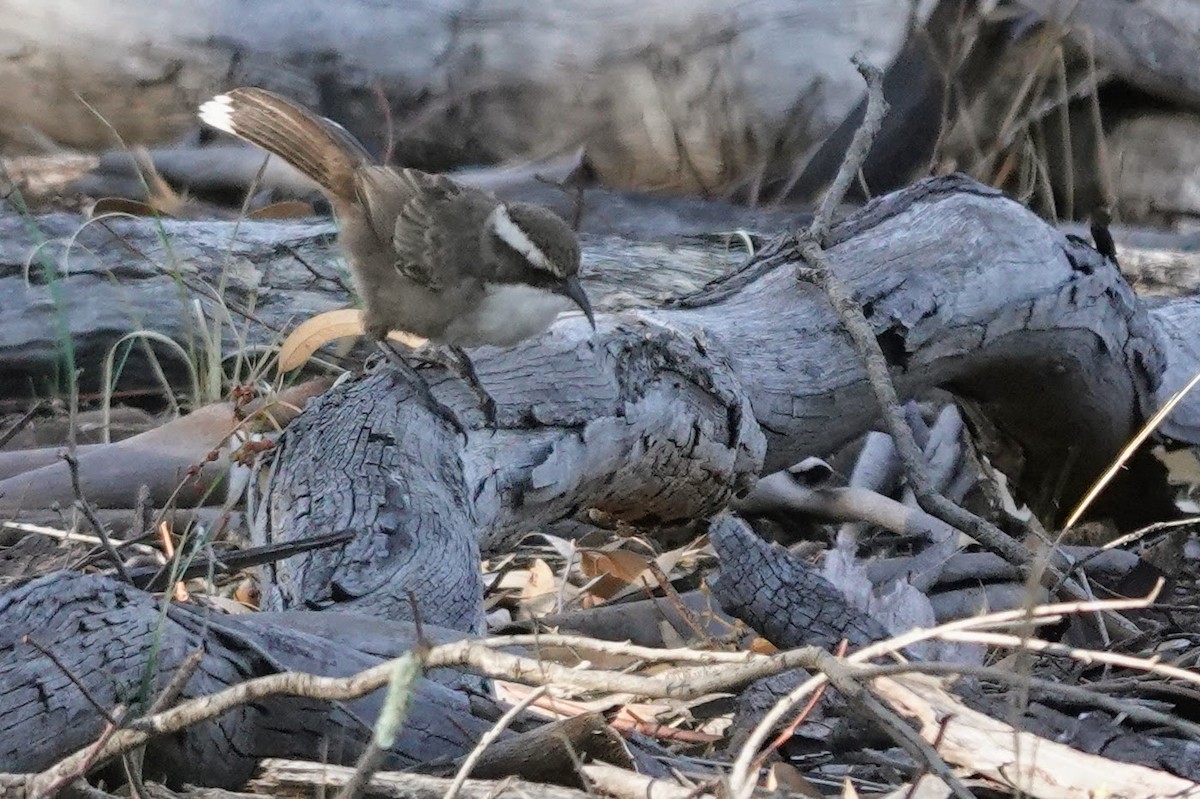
(507, 313)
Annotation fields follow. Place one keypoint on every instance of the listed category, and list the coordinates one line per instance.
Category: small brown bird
(428, 256)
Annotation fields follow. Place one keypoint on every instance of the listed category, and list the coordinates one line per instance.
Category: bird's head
(534, 246)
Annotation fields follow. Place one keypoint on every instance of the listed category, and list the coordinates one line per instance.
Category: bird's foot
(422, 388)
(456, 360)
(486, 400)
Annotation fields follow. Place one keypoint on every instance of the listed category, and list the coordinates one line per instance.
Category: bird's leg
(422, 387)
(456, 360)
(485, 398)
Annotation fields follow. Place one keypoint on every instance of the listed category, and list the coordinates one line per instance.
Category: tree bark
(667, 411)
(114, 640)
(664, 414)
(659, 417)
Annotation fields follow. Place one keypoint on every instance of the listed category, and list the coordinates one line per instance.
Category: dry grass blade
(740, 777)
(1128, 451)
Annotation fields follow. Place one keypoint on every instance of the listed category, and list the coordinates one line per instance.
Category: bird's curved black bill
(573, 290)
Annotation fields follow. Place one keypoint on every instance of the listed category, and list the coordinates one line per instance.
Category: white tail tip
(218, 113)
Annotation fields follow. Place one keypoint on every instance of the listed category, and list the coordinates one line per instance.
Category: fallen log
(73, 647)
(70, 288)
(661, 416)
(667, 411)
(682, 94)
(665, 414)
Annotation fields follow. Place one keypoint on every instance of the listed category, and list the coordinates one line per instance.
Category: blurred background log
(1067, 105)
(678, 94)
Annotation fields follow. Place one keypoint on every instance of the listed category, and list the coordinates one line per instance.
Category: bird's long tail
(318, 147)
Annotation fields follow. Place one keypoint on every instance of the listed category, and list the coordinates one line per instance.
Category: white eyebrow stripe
(511, 234)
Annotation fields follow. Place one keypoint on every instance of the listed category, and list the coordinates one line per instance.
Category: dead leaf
(537, 580)
(161, 199)
(180, 591)
(620, 563)
(689, 553)
(761, 646)
(122, 205)
(610, 572)
(319, 330)
(788, 777)
(247, 595)
(564, 547)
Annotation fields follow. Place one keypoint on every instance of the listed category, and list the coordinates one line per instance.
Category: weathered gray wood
(657, 417)
(1150, 44)
(645, 426)
(478, 81)
(104, 632)
(779, 595)
(1179, 324)
(102, 280)
(660, 416)
(968, 291)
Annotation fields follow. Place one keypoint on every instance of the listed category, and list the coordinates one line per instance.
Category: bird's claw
(419, 383)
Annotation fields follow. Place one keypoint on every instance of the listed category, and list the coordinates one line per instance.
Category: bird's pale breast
(505, 314)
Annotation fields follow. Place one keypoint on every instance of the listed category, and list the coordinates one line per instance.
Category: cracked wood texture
(781, 596)
(115, 640)
(664, 413)
(642, 423)
(659, 416)
(669, 408)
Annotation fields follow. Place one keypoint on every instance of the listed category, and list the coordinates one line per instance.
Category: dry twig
(489, 737)
(741, 781)
(809, 246)
(679, 683)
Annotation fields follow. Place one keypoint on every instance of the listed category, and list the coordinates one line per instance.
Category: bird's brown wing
(390, 197)
(421, 235)
(430, 220)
